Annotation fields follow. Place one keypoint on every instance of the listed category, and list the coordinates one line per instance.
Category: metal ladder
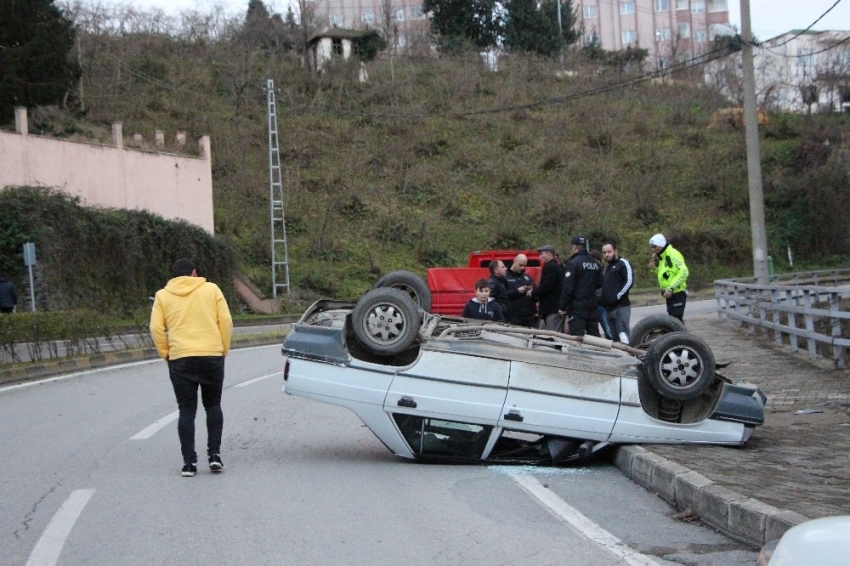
(280, 252)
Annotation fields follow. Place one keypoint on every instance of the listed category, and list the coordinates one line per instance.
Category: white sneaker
(624, 338)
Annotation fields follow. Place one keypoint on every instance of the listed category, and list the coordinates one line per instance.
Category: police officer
(578, 296)
(672, 272)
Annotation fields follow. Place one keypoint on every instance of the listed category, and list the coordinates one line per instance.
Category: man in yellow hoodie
(191, 328)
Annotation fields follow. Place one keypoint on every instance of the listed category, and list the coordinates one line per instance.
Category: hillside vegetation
(436, 156)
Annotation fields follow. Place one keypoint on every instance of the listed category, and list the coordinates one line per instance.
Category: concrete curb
(737, 516)
(32, 372)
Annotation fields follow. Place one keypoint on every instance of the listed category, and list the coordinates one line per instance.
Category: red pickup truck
(450, 288)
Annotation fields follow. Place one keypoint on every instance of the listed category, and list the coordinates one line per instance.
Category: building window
(399, 15)
(683, 30)
(700, 35)
(367, 17)
(684, 57)
(663, 34)
(401, 41)
(805, 57)
(591, 39)
(681, 4)
(718, 6)
(591, 12)
(698, 7)
(662, 5)
(629, 37)
(336, 19)
(627, 8)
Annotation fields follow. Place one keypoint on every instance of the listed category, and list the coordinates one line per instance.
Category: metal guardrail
(794, 306)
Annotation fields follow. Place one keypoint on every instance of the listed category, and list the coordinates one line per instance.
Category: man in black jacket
(619, 278)
(520, 285)
(578, 299)
(499, 286)
(548, 293)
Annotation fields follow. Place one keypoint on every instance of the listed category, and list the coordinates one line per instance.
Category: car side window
(434, 437)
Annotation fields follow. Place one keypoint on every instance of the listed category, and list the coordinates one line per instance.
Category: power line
(801, 32)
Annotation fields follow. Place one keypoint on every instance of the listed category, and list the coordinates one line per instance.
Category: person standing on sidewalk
(548, 293)
(499, 286)
(672, 274)
(618, 279)
(8, 295)
(520, 284)
(582, 279)
(191, 329)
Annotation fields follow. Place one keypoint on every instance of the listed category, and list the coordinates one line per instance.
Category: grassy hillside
(433, 157)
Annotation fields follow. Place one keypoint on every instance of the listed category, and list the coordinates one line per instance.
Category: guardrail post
(774, 300)
(762, 311)
(737, 298)
(791, 302)
(837, 351)
(751, 299)
(718, 293)
(810, 323)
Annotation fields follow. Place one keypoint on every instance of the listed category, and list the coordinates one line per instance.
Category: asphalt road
(91, 463)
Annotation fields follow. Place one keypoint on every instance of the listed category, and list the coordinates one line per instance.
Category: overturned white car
(447, 389)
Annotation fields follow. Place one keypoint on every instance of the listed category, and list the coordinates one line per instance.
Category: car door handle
(407, 402)
(513, 416)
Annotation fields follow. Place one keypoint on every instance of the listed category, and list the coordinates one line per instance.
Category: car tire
(653, 327)
(680, 366)
(411, 284)
(385, 321)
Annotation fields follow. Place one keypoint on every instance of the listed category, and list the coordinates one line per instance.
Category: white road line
(155, 427)
(581, 523)
(49, 546)
(76, 374)
(256, 379)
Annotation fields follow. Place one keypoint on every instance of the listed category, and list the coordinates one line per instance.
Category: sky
(769, 17)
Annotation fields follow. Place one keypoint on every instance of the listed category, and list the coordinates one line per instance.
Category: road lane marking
(155, 427)
(75, 374)
(581, 523)
(49, 546)
(112, 367)
(170, 418)
(256, 379)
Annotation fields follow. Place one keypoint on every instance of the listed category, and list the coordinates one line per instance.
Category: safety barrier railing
(795, 307)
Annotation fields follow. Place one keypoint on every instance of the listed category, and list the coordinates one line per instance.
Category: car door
(447, 405)
(569, 399)
(449, 385)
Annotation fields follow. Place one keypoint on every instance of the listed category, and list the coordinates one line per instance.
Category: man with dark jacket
(8, 295)
(520, 285)
(548, 293)
(618, 279)
(499, 286)
(578, 298)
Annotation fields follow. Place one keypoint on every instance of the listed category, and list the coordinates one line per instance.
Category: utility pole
(751, 133)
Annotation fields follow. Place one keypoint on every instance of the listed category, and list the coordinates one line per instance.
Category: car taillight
(286, 371)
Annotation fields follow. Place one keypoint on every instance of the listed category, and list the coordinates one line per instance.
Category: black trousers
(583, 321)
(676, 304)
(187, 374)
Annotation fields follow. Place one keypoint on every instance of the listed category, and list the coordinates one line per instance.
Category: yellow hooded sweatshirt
(190, 318)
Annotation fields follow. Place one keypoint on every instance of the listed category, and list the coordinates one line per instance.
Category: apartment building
(798, 71)
(671, 30)
(406, 19)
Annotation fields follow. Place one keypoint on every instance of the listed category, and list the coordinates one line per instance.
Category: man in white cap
(672, 274)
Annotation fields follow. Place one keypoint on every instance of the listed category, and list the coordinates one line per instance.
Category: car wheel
(411, 284)
(653, 327)
(679, 366)
(386, 322)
